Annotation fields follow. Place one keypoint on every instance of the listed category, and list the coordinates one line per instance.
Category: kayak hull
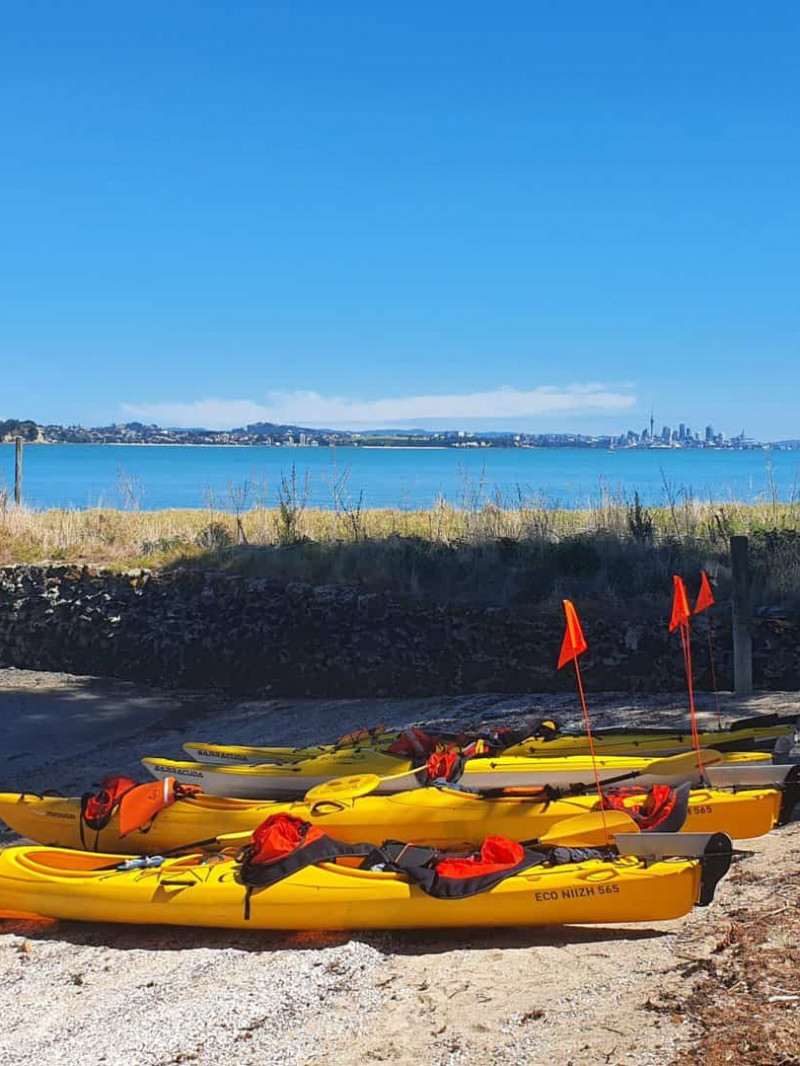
(645, 742)
(274, 780)
(657, 742)
(72, 885)
(442, 818)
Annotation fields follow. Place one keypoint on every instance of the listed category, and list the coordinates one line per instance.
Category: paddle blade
(684, 763)
(238, 840)
(589, 830)
(343, 788)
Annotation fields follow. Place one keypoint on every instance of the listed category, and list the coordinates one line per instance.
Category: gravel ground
(156, 997)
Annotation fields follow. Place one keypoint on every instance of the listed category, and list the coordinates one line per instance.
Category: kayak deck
(190, 891)
(440, 817)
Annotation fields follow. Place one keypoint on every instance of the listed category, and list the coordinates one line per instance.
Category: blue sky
(529, 214)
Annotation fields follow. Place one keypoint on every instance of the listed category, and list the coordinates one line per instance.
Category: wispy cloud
(313, 409)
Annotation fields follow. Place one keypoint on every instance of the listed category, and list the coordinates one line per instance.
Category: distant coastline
(267, 434)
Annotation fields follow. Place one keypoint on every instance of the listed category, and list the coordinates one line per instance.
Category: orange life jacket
(137, 804)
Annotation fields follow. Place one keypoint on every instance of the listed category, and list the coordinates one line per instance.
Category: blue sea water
(86, 475)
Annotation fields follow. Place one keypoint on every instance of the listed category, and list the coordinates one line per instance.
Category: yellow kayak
(750, 734)
(281, 780)
(440, 817)
(192, 891)
(400, 742)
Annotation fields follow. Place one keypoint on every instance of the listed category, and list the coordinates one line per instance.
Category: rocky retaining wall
(244, 635)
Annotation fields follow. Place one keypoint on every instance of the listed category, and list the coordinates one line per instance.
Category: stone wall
(215, 630)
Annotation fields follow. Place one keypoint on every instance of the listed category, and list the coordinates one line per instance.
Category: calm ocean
(85, 475)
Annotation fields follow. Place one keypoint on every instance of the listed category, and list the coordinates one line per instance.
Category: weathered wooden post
(18, 472)
(742, 641)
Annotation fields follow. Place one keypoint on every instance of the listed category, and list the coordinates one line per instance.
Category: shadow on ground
(415, 942)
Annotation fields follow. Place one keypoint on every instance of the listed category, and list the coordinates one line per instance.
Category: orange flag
(680, 605)
(705, 597)
(574, 643)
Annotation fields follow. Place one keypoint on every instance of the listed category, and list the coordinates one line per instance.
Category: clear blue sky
(388, 212)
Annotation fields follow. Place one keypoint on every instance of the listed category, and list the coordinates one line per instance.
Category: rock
(227, 631)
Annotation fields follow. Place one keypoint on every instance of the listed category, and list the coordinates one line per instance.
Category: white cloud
(341, 412)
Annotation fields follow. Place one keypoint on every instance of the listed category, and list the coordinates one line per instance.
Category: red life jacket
(278, 836)
(281, 846)
(495, 854)
(445, 766)
(662, 808)
(98, 808)
(448, 876)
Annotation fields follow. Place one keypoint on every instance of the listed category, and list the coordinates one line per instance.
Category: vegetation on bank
(11, 428)
(516, 556)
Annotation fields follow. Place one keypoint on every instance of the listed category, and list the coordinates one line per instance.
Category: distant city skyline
(591, 410)
(292, 434)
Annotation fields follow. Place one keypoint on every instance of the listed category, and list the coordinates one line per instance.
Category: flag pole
(574, 645)
(705, 599)
(680, 620)
(592, 752)
(686, 640)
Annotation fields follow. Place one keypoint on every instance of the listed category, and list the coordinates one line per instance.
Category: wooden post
(742, 641)
(18, 472)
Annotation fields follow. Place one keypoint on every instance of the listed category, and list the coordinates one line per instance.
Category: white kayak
(280, 780)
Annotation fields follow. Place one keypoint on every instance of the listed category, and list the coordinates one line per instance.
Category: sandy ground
(130, 996)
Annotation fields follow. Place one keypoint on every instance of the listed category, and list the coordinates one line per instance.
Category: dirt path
(120, 996)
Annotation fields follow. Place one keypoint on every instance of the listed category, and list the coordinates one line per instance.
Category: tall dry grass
(511, 553)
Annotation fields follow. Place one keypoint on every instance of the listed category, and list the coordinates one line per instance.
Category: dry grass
(746, 1004)
(487, 553)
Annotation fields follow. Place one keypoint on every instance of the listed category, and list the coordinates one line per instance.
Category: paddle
(580, 830)
(671, 766)
(344, 788)
(588, 830)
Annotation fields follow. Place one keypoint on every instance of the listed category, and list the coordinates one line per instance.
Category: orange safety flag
(574, 643)
(680, 605)
(705, 597)
(572, 647)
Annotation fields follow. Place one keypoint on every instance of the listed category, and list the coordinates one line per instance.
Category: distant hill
(12, 427)
(274, 429)
(285, 435)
